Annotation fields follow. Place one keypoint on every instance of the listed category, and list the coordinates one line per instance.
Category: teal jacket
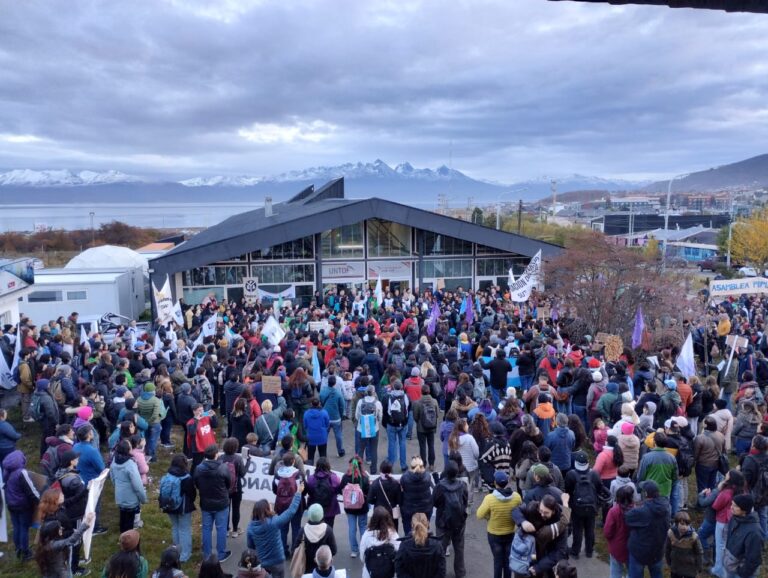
(661, 467)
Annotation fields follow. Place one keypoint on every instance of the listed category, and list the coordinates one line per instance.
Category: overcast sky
(522, 88)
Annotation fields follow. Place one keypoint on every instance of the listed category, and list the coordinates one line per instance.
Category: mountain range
(403, 183)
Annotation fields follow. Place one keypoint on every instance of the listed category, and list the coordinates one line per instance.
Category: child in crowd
(683, 551)
(599, 434)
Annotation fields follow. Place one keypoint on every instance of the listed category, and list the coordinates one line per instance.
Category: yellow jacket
(497, 509)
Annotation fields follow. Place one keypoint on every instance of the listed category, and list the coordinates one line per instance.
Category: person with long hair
(616, 531)
(322, 488)
(355, 505)
(170, 564)
(386, 492)
(461, 441)
(380, 537)
(416, 486)
(449, 422)
(529, 456)
(231, 455)
(732, 485)
(211, 568)
(240, 421)
(181, 519)
(128, 562)
(299, 393)
(527, 432)
(129, 491)
(54, 551)
(420, 554)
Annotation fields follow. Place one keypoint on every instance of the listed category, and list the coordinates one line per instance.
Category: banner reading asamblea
(257, 484)
(750, 285)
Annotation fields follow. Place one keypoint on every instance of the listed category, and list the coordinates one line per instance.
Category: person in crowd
(234, 461)
(420, 554)
(240, 421)
(708, 446)
(90, 465)
(451, 500)
(744, 543)
(54, 550)
(630, 446)
(334, 405)
(497, 508)
(316, 533)
(250, 566)
(213, 480)
(731, 486)
(397, 412)
(170, 564)
(21, 498)
(446, 427)
(8, 435)
(181, 494)
(648, 524)
(323, 487)
(585, 488)
(464, 443)
(354, 488)
(659, 466)
(682, 550)
(128, 561)
(547, 520)
(200, 433)
(151, 408)
(368, 417)
(129, 489)
(616, 531)
(380, 542)
(755, 471)
(324, 563)
(386, 492)
(316, 425)
(425, 415)
(561, 442)
(263, 533)
(745, 426)
(416, 485)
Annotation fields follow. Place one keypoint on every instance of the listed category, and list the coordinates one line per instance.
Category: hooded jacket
(316, 535)
(414, 561)
(149, 407)
(333, 401)
(417, 493)
(744, 542)
(684, 554)
(617, 534)
(661, 467)
(20, 492)
(316, 424)
(212, 482)
(444, 487)
(129, 491)
(330, 512)
(497, 508)
(561, 442)
(264, 536)
(648, 530)
(630, 447)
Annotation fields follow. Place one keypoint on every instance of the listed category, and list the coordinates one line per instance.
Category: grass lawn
(155, 535)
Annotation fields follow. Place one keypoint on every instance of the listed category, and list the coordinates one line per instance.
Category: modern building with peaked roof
(319, 240)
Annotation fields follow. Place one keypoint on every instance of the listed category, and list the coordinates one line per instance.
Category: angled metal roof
(759, 6)
(309, 213)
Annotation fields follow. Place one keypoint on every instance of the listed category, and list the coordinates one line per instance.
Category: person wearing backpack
(355, 484)
(755, 470)
(584, 486)
(44, 410)
(177, 494)
(379, 545)
(426, 414)
(322, 488)
(237, 471)
(395, 418)
(386, 492)
(420, 554)
(368, 417)
(451, 499)
(547, 520)
(27, 385)
(648, 524)
(316, 534)
(213, 480)
(333, 403)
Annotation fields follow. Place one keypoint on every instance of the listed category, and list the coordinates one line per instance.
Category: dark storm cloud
(520, 88)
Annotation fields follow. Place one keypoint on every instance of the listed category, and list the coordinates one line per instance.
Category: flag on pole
(209, 326)
(470, 311)
(6, 375)
(433, 316)
(83, 336)
(316, 367)
(273, 331)
(178, 316)
(377, 293)
(16, 350)
(511, 280)
(686, 362)
(158, 343)
(463, 308)
(637, 334)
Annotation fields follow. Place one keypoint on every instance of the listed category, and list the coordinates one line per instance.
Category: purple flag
(637, 334)
(470, 312)
(433, 316)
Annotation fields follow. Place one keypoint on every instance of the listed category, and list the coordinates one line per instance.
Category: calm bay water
(78, 216)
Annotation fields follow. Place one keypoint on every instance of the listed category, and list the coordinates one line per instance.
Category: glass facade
(343, 242)
(448, 268)
(292, 250)
(388, 239)
(215, 275)
(437, 244)
(277, 274)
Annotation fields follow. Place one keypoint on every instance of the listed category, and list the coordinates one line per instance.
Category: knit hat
(539, 470)
(501, 478)
(315, 513)
(415, 372)
(597, 377)
(680, 421)
(671, 384)
(581, 461)
(41, 385)
(744, 502)
(85, 413)
(67, 457)
(149, 387)
(186, 388)
(593, 363)
(129, 540)
(612, 387)
(121, 391)
(627, 428)
(511, 392)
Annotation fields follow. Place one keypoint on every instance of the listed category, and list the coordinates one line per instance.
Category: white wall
(101, 298)
(9, 308)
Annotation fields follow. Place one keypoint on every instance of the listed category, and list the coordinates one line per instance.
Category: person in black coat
(385, 491)
(420, 554)
(551, 546)
(416, 485)
(648, 526)
(212, 480)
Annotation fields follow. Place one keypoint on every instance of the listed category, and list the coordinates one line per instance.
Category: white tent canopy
(108, 257)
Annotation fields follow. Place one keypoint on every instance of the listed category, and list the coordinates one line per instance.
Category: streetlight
(666, 217)
(498, 203)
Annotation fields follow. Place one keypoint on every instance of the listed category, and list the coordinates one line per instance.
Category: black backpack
(760, 489)
(397, 410)
(324, 494)
(454, 511)
(380, 561)
(584, 494)
(428, 417)
(685, 460)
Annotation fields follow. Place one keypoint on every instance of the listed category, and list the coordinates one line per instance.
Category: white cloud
(271, 133)
(20, 138)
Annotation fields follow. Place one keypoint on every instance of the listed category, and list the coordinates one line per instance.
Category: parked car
(708, 265)
(747, 272)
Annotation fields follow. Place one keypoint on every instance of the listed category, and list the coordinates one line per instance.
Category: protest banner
(726, 287)
(95, 487)
(319, 326)
(251, 288)
(271, 384)
(520, 290)
(736, 341)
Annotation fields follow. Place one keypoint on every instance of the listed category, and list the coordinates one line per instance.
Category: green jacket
(142, 573)
(661, 467)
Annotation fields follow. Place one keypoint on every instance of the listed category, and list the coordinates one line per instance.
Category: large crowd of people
(519, 423)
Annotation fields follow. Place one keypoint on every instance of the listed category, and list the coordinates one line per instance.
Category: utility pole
(519, 216)
(553, 186)
(730, 233)
(93, 231)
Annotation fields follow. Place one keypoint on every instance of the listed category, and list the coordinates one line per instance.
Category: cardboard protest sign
(271, 384)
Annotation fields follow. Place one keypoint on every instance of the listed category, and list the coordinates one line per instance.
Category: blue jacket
(333, 402)
(129, 491)
(316, 424)
(8, 436)
(20, 492)
(648, 526)
(264, 537)
(561, 441)
(91, 463)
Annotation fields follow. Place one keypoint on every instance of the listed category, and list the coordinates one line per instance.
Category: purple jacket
(20, 492)
(334, 510)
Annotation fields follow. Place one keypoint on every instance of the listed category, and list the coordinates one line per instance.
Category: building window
(44, 296)
(436, 244)
(77, 295)
(292, 250)
(448, 268)
(284, 274)
(196, 296)
(342, 242)
(500, 267)
(388, 239)
(486, 250)
(219, 275)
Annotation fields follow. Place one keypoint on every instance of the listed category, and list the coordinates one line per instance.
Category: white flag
(83, 336)
(178, 316)
(158, 342)
(273, 331)
(377, 294)
(511, 280)
(520, 290)
(6, 375)
(209, 326)
(164, 302)
(686, 362)
(16, 350)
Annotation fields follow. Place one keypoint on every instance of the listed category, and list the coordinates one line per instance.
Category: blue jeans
(220, 519)
(396, 438)
(618, 570)
(717, 569)
(165, 429)
(762, 512)
(581, 413)
(153, 435)
(674, 498)
(410, 424)
(500, 547)
(369, 449)
(21, 521)
(742, 446)
(181, 529)
(526, 381)
(295, 525)
(706, 531)
(496, 396)
(637, 570)
(357, 523)
(705, 478)
(337, 433)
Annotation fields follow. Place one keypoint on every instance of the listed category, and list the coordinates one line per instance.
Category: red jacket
(412, 387)
(617, 534)
(201, 433)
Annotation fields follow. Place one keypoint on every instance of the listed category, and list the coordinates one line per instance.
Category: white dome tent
(109, 257)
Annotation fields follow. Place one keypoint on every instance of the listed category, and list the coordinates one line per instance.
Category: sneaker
(353, 555)
(86, 562)
(81, 572)
(235, 533)
(138, 524)
(29, 420)
(100, 530)
(448, 550)
(226, 556)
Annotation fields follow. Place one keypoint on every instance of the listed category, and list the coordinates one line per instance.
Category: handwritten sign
(271, 384)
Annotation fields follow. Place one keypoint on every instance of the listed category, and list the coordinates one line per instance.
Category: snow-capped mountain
(63, 178)
(221, 181)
